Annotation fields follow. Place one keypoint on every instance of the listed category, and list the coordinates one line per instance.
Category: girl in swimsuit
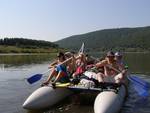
(80, 65)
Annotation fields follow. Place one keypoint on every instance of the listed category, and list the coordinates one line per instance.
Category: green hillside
(22, 45)
(123, 39)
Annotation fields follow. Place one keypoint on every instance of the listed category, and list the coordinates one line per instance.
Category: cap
(118, 54)
(68, 54)
(110, 53)
(60, 54)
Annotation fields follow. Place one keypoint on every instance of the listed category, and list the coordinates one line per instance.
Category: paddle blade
(34, 78)
(141, 86)
(141, 90)
(140, 81)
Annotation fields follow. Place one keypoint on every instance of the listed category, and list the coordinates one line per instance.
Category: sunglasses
(110, 56)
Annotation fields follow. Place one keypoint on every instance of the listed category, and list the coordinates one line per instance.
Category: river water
(14, 69)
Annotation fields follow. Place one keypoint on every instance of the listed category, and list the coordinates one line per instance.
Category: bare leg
(99, 77)
(118, 78)
(53, 73)
(73, 75)
(59, 75)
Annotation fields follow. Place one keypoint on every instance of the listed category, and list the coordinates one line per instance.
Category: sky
(52, 20)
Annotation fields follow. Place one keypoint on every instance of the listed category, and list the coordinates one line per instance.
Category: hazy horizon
(52, 20)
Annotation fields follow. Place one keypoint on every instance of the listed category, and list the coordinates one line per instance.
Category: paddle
(36, 77)
(141, 86)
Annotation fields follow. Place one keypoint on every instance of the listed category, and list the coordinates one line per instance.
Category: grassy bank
(14, 49)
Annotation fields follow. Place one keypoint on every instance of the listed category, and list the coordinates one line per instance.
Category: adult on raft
(113, 72)
(59, 70)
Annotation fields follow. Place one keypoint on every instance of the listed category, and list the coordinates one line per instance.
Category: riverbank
(20, 50)
(25, 54)
(14, 50)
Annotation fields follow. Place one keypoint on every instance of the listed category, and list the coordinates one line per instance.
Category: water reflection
(137, 62)
(14, 89)
(24, 59)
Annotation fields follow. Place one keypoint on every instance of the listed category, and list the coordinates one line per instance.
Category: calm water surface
(14, 69)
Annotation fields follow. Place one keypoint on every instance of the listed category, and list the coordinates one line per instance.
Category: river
(14, 69)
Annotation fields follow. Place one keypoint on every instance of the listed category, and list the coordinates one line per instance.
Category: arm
(71, 66)
(120, 69)
(53, 64)
(66, 61)
(101, 64)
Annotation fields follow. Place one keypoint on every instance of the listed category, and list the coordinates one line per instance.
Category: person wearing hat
(118, 58)
(59, 70)
(112, 71)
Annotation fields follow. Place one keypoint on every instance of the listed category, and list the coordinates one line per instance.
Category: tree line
(27, 43)
(123, 39)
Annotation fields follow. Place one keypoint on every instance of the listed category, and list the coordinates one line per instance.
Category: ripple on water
(14, 92)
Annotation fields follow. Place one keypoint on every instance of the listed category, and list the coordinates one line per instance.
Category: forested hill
(29, 43)
(123, 39)
(22, 45)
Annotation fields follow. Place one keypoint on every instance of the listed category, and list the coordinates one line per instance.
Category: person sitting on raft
(80, 65)
(71, 65)
(118, 58)
(90, 59)
(59, 70)
(113, 72)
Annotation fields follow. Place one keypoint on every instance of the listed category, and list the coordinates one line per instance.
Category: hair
(110, 53)
(61, 54)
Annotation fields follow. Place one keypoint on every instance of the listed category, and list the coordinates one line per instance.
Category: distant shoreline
(9, 54)
(26, 50)
(121, 51)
